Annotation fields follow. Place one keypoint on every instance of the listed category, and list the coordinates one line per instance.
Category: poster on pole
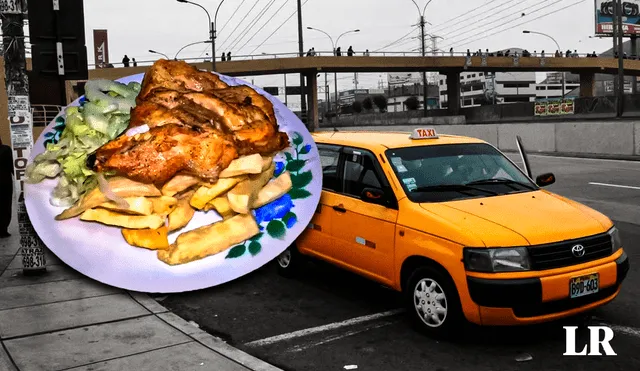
(604, 12)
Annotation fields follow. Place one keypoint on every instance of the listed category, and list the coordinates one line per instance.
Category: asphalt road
(344, 320)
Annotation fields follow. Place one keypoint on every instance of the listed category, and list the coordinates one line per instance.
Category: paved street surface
(329, 319)
(64, 321)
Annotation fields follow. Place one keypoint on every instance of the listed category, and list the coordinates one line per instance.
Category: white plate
(100, 252)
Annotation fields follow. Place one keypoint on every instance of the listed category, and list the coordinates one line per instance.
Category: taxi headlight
(616, 241)
(511, 259)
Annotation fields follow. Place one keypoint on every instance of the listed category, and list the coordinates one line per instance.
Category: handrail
(359, 53)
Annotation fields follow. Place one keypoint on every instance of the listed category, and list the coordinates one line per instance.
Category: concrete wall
(593, 138)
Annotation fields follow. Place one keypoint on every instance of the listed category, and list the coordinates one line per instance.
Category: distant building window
(461, 77)
(481, 73)
(444, 92)
(516, 85)
(474, 75)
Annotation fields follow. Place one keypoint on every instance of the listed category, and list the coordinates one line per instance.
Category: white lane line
(327, 327)
(613, 185)
(299, 348)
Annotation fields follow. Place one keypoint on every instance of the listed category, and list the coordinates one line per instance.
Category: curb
(215, 344)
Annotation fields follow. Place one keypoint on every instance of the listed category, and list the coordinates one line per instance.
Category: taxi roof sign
(424, 133)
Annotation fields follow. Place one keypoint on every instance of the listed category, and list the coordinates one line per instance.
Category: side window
(329, 160)
(359, 173)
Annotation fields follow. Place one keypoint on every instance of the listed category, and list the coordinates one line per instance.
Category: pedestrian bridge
(450, 66)
(444, 65)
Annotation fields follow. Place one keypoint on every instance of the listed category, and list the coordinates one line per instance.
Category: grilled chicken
(198, 125)
(162, 152)
(178, 76)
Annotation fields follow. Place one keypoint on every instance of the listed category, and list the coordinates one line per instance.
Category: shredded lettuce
(103, 116)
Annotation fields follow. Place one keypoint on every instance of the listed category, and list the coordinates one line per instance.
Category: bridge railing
(327, 53)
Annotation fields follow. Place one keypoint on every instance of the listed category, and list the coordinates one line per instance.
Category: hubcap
(430, 302)
(284, 259)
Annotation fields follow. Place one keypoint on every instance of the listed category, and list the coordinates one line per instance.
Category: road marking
(299, 348)
(327, 327)
(614, 185)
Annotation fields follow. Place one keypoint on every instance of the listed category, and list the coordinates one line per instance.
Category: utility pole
(618, 15)
(615, 43)
(355, 80)
(285, 90)
(424, 74)
(21, 126)
(303, 96)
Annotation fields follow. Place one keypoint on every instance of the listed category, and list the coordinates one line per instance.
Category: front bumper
(535, 300)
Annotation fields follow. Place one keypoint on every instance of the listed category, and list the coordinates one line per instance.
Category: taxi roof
(378, 140)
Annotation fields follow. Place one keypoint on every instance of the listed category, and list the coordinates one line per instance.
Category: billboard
(100, 48)
(604, 11)
(554, 107)
(404, 78)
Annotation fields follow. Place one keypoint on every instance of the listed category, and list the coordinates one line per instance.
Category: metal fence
(43, 114)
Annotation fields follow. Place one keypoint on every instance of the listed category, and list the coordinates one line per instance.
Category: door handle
(340, 208)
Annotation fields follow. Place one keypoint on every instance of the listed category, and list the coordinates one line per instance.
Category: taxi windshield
(440, 173)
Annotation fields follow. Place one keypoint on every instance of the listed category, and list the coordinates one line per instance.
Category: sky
(252, 27)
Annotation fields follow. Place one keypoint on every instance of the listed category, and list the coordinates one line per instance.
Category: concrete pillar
(634, 55)
(453, 93)
(587, 85)
(312, 102)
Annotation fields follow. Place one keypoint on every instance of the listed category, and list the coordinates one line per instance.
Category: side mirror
(372, 195)
(544, 180)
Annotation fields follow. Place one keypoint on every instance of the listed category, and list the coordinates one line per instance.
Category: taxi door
(317, 238)
(364, 217)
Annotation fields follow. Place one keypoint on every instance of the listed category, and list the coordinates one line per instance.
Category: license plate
(584, 285)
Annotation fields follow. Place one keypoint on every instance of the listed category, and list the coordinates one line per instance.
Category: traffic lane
(573, 177)
(263, 303)
(399, 346)
(625, 309)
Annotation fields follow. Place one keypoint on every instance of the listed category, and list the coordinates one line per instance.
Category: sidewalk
(66, 321)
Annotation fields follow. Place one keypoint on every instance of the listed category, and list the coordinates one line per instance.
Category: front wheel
(289, 262)
(433, 303)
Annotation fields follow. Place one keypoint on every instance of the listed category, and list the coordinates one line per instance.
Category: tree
(367, 103)
(412, 103)
(381, 102)
(357, 106)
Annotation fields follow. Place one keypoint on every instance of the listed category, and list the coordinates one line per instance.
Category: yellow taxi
(459, 229)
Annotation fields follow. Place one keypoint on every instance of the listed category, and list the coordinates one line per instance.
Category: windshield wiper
(501, 181)
(454, 187)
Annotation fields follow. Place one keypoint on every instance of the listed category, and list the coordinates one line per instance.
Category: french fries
(209, 240)
(205, 194)
(120, 186)
(122, 220)
(152, 239)
(137, 206)
(242, 196)
(183, 213)
(153, 213)
(178, 184)
(273, 190)
(251, 164)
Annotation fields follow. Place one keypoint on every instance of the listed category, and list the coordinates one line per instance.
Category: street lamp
(424, 74)
(155, 52)
(559, 49)
(335, 74)
(188, 45)
(212, 29)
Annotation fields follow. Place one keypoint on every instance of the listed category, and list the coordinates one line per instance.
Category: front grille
(563, 305)
(556, 255)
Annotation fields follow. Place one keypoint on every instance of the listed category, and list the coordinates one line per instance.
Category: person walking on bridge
(350, 51)
(223, 58)
(228, 56)
(125, 61)
(338, 52)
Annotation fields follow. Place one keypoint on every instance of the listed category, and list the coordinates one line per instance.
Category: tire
(289, 262)
(431, 293)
